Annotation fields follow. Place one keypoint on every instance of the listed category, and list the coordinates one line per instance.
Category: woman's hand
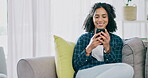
(94, 42)
(105, 40)
(98, 39)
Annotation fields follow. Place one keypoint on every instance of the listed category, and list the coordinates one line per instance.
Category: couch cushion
(63, 58)
(146, 62)
(134, 54)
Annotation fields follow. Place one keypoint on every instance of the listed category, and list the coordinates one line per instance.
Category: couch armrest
(3, 75)
(3, 69)
(39, 67)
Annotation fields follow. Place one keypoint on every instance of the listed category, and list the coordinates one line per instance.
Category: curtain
(28, 31)
(67, 19)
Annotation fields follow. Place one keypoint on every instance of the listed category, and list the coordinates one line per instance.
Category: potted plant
(128, 2)
(130, 11)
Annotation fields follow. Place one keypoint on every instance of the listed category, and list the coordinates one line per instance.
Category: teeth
(100, 24)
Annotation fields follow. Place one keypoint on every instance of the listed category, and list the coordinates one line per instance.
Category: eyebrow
(98, 14)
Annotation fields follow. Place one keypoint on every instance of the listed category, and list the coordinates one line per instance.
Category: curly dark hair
(88, 23)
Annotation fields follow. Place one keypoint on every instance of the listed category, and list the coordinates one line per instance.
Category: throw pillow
(63, 57)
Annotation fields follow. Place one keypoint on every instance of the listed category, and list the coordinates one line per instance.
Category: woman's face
(100, 18)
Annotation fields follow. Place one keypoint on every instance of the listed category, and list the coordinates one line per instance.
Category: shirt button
(85, 60)
(107, 59)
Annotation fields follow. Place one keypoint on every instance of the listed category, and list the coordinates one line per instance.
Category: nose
(100, 19)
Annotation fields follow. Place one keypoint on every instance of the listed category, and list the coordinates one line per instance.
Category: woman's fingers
(96, 35)
(106, 32)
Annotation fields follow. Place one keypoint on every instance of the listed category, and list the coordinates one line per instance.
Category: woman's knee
(127, 68)
(122, 69)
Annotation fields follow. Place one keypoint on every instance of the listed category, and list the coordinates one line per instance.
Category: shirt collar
(92, 31)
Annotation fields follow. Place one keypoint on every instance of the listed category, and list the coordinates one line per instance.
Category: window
(3, 25)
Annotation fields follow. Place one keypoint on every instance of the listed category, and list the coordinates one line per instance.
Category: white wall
(128, 29)
(67, 17)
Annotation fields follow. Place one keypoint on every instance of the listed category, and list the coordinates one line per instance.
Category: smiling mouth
(100, 25)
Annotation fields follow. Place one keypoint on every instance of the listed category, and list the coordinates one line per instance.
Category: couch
(3, 71)
(134, 54)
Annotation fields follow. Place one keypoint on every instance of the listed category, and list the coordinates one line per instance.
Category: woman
(87, 66)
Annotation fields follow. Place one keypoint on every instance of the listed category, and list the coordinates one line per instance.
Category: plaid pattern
(81, 61)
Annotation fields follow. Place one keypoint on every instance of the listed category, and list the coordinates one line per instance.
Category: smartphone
(99, 30)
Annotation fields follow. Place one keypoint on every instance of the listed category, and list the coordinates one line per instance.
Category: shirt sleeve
(115, 55)
(79, 56)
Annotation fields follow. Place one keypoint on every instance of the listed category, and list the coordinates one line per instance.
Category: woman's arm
(79, 56)
(115, 54)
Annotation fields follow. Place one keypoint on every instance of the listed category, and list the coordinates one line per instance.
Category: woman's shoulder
(114, 36)
(86, 34)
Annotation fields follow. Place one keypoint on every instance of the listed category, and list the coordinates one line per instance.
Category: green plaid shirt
(81, 61)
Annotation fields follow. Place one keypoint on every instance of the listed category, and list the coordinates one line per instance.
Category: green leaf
(129, 0)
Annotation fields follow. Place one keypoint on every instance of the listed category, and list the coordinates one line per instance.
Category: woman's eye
(96, 17)
(104, 17)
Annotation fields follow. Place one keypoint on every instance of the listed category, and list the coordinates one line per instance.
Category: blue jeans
(114, 70)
